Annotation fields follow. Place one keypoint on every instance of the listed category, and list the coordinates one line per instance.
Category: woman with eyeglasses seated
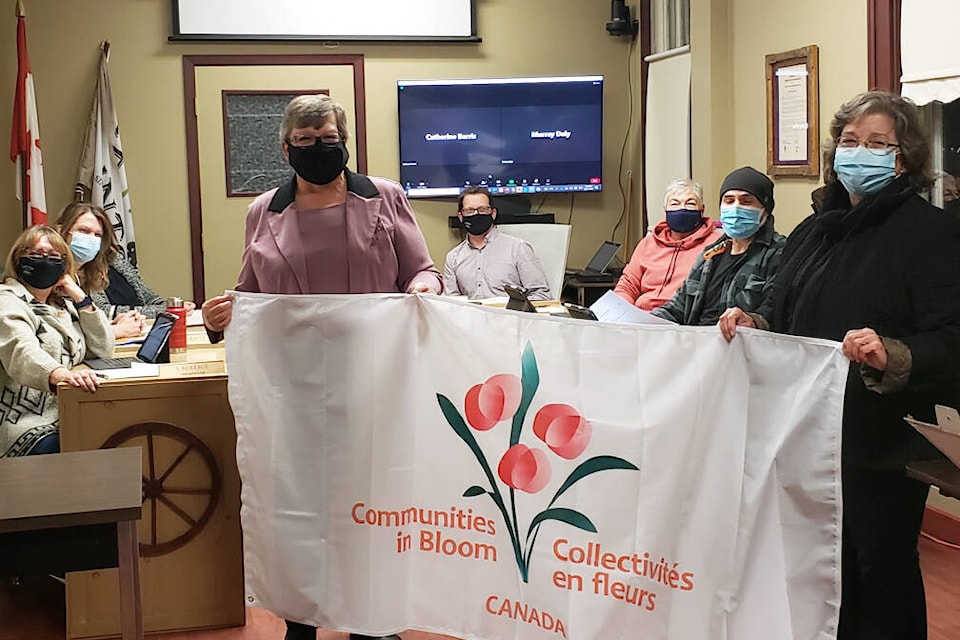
(48, 325)
(114, 284)
(877, 268)
(327, 230)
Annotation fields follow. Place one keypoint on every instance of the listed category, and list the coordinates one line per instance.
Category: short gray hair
(683, 184)
(312, 110)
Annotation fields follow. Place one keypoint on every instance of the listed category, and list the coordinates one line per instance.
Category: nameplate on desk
(186, 369)
(197, 337)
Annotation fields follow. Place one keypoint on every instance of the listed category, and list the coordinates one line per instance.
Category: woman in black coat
(877, 268)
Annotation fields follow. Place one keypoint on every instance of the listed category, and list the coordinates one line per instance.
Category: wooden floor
(35, 609)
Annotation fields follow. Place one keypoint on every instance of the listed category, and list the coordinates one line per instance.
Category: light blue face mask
(84, 246)
(739, 222)
(863, 172)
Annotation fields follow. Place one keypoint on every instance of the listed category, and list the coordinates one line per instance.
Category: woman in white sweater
(48, 325)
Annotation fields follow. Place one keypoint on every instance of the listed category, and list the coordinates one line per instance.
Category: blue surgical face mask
(684, 220)
(863, 172)
(739, 222)
(84, 246)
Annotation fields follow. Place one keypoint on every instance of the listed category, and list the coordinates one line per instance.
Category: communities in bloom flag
(25, 136)
(102, 176)
(416, 462)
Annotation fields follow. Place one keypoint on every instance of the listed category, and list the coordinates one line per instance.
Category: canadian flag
(25, 137)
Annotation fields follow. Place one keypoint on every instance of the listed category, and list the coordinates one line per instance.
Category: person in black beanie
(737, 270)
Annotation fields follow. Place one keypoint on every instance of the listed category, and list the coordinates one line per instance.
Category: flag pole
(24, 202)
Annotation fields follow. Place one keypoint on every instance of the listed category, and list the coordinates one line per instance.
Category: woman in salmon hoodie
(663, 258)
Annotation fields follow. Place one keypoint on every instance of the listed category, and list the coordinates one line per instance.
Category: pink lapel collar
(286, 233)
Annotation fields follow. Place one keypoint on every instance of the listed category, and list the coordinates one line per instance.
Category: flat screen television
(511, 135)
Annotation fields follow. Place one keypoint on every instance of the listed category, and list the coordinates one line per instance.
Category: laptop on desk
(596, 269)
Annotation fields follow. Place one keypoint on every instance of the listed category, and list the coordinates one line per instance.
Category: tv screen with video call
(511, 135)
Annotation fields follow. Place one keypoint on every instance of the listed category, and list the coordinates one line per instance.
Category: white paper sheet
(612, 308)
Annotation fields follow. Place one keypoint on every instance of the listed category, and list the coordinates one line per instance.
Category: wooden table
(72, 512)
(191, 559)
(942, 474)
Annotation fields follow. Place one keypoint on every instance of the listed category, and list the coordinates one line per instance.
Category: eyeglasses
(53, 255)
(481, 210)
(876, 147)
(309, 141)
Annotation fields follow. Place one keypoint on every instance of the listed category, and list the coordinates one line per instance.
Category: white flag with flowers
(414, 462)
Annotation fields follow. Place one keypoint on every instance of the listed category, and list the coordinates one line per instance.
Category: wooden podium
(191, 562)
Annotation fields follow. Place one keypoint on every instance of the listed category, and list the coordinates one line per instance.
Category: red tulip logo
(562, 429)
(496, 399)
(524, 468)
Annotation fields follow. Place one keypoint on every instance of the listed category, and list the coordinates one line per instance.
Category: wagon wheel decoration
(160, 486)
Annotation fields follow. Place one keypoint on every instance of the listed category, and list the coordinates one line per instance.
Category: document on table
(945, 435)
(612, 308)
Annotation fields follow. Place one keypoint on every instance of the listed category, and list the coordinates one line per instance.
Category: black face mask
(318, 164)
(40, 272)
(478, 223)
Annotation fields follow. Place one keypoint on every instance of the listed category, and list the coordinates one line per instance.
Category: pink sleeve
(414, 263)
(247, 280)
(628, 286)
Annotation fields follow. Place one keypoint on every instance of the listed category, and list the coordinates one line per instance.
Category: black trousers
(883, 596)
(300, 631)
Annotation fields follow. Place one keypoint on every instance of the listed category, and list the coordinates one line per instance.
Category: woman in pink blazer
(328, 230)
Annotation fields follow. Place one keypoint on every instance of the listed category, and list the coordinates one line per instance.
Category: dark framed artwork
(253, 159)
(793, 113)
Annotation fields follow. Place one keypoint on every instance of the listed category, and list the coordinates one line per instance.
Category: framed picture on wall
(252, 156)
(793, 113)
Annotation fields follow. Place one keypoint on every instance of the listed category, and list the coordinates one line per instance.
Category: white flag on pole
(102, 176)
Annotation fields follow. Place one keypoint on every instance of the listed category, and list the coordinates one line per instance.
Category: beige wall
(520, 37)
(730, 40)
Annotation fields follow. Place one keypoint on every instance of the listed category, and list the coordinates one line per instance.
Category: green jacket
(748, 287)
